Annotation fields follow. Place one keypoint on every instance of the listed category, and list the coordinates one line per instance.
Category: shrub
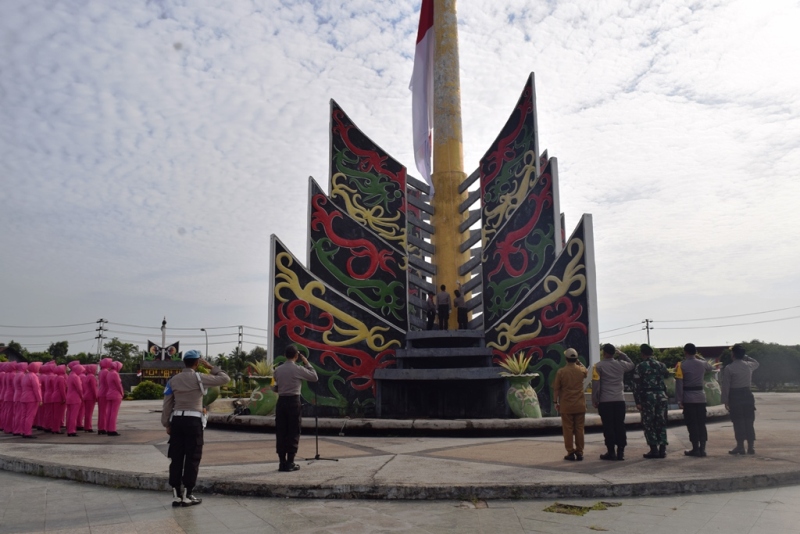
(148, 390)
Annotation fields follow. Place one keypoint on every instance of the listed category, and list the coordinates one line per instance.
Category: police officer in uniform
(608, 396)
(289, 377)
(739, 400)
(691, 397)
(650, 394)
(183, 416)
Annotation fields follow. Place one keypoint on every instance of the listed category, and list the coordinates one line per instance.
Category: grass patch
(573, 509)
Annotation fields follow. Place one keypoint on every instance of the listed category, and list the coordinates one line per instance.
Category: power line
(727, 325)
(172, 327)
(624, 333)
(51, 326)
(728, 316)
(49, 335)
(620, 328)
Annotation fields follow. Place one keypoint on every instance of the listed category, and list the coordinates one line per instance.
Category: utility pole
(648, 328)
(241, 339)
(100, 336)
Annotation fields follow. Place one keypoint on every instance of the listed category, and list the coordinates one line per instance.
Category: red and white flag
(422, 92)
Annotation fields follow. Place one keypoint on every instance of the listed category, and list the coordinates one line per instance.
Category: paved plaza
(387, 467)
(35, 504)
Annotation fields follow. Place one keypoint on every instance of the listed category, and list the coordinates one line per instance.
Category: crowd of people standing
(57, 398)
(441, 304)
(651, 400)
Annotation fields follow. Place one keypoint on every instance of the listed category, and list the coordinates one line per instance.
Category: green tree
(127, 353)
(778, 364)
(59, 351)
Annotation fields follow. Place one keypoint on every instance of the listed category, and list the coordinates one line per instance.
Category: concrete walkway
(386, 467)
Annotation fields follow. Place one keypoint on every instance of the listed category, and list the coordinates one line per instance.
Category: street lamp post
(206, 333)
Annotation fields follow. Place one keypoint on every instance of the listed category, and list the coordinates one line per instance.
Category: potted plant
(521, 397)
(262, 400)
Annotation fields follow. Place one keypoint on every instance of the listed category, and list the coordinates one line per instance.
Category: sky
(148, 150)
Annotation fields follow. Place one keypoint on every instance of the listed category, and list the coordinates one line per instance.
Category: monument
(379, 240)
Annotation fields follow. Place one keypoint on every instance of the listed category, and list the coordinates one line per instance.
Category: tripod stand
(316, 437)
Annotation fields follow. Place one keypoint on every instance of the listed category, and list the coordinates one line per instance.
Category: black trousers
(185, 451)
(431, 319)
(743, 414)
(288, 416)
(461, 314)
(694, 415)
(612, 415)
(444, 317)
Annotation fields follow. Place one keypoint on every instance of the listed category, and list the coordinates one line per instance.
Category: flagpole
(448, 151)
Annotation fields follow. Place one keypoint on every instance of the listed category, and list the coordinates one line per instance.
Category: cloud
(148, 150)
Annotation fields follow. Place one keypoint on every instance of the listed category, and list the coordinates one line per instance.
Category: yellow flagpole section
(448, 150)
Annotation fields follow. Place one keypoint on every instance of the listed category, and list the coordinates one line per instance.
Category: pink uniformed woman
(48, 373)
(114, 395)
(8, 424)
(74, 397)
(22, 367)
(3, 367)
(8, 398)
(105, 363)
(30, 398)
(59, 386)
(89, 395)
(37, 421)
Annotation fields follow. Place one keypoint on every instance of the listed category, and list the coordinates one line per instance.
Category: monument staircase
(442, 375)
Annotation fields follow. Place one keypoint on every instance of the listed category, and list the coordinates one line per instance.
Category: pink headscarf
(22, 366)
(90, 369)
(61, 370)
(117, 366)
(34, 367)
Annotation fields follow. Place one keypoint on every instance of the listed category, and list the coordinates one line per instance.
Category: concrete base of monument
(389, 466)
(432, 427)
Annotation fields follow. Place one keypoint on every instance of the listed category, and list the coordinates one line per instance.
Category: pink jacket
(3, 367)
(114, 383)
(58, 385)
(17, 383)
(90, 383)
(8, 392)
(75, 384)
(105, 364)
(31, 390)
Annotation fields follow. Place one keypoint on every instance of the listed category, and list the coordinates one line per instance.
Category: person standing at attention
(443, 307)
(739, 400)
(571, 403)
(650, 394)
(461, 310)
(691, 397)
(608, 396)
(430, 310)
(289, 378)
(182, 416)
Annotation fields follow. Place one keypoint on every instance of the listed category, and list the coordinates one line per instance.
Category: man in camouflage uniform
(650, 395)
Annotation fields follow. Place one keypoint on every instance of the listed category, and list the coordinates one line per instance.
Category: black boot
(282, 465)
(653, 452)
(290, 465)
(609, 455)
(695, 448)
(701, 452)
(620, 453)
(750, 449)
(739, 449)
(662, 451)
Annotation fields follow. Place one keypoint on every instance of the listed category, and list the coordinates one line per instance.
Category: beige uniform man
(571, 403)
